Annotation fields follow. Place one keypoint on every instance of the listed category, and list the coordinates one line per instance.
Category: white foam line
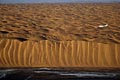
(7, 70)
(47, 72)
(88, 75)
(82, 74)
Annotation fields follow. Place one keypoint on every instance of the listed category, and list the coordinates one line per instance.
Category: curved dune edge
(14, 53)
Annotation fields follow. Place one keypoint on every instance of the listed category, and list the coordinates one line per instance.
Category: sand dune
(45, 53)
(60, 35)
(61, 22)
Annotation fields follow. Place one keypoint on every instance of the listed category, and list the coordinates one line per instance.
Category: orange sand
(58, 54)
(59, 35)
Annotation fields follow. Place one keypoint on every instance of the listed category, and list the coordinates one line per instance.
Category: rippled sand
(58, 22)
(58, 54)
(60, 35)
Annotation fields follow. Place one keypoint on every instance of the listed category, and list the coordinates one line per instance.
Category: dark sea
(57, 74)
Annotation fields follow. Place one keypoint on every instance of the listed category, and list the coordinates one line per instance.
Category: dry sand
(63, 54)
(60, 35)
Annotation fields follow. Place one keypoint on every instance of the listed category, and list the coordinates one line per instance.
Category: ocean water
(57, 74)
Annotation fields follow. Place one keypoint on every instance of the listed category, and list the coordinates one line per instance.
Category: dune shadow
(4, 32)
(21, 39)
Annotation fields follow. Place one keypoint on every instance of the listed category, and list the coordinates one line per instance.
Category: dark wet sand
(57, 74)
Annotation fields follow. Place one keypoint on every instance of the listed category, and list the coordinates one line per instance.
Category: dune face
(45, 53)
(60, 35)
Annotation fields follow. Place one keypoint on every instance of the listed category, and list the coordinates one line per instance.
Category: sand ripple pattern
(44, 53)
(61, 22)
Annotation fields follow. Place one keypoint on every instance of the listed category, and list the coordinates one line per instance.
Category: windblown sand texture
(63, 54)
(59, 35)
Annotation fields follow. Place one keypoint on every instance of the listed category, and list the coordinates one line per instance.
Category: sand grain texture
(63, 54)
(60, 35)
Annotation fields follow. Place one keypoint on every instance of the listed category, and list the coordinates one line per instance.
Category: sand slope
(14, 53)
(59, 35)
(57, 22)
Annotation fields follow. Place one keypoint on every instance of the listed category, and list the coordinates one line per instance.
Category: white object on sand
(102, 26)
